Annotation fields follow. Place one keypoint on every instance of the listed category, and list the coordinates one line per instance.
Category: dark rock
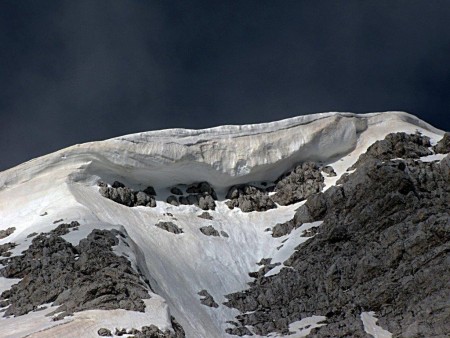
(183, 200)
(249, 198)
(209, 231)
(4, 249)
(205, 215)
(104, 332)
(172, 200)
(396, 145)
(224, 234)
(329, 171)
(206, 202)
(58, 221)
(120, 332)
(300, 183)
(150, 191)
(176, 191)
(153, 331)
(383, 246)
(7, 232)
(142, 198)
(118, 184)
(170, 227)
(239, 331)
(443, 146)
(208, 300)
(126, 196)
(201, 188)
(192, 200)
(32, 234)
(64, 228)
(100, 183)
(75, 278)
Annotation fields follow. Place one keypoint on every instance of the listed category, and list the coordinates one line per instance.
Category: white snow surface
(62, 185)
(370, 326)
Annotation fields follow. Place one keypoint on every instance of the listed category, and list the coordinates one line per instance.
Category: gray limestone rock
(173, 200)
(201, 188)
(249, 198)
(104, 332)
(126, 196)
(170, 227)
(7, 232)
(207, 299)
(209, 231)
(192, 199)
(176, 191)
(396, 145)
(117, 184)
(206, 202)
(183, 200)
(443, 146)
(150, 191)
(205, 215)
(383, 246)
(75, 278)
(298, 184)
(329, 171)
(142, 198)
(4, 249)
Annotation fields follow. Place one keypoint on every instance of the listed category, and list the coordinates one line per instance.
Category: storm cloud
(77, 71)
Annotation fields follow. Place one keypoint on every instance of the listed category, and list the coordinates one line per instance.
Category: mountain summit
(324, 225)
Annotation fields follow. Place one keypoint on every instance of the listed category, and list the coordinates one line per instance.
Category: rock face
(209, 231)
(383, 247)
(397, 145)
(7, 232)
(170, 227)
(153, 331)
(249, 198)
(87, 276)
(300, 183)
(126, 196)
(443, 146)
(207, 299)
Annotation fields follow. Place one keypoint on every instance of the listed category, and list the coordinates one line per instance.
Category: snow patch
(290, 242)
(370, 326)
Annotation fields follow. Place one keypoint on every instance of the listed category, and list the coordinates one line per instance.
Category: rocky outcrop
(176, 191)
(173, 200)
(152, 331)
(298, 184)
(103, 332)
(200, 194)
(396, 145)
(249, 198)
(119, 193)
(443, 146)
(329, 171)
(202, 188)
(170, 227)
(75, 278)
(209, 231)
(5, 233)
(205, 215)
(207, 299)
(4, 249)
(383, 246)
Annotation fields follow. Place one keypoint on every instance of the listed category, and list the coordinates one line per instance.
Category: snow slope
(62, 185)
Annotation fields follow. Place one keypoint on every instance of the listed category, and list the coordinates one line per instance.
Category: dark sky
(77, 71)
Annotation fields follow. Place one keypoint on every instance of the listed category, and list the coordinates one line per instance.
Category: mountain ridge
(183, 253)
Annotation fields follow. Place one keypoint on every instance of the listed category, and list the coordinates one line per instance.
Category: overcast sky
(78, 71)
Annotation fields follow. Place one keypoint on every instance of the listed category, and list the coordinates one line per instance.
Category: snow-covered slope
(63, 185)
